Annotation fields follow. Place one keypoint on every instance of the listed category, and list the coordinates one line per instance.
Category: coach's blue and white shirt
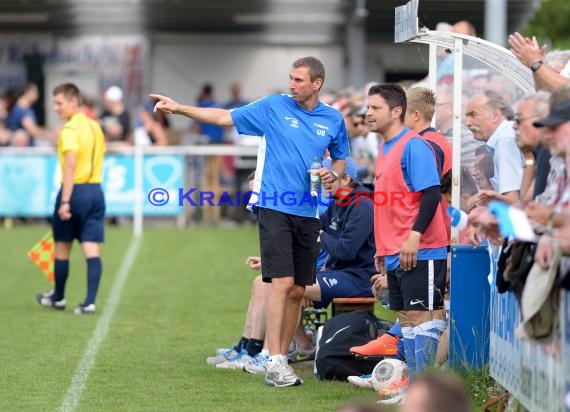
(292, 136)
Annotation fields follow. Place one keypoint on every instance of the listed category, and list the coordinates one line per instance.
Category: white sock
(274, 361)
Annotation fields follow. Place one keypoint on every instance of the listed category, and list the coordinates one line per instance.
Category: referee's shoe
(47, 301)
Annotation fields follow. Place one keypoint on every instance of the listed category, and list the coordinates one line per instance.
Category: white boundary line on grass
(79, 380)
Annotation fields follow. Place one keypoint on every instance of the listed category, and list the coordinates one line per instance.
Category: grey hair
(557, 58)
(560, 94)
(540, 106)
(496, 101)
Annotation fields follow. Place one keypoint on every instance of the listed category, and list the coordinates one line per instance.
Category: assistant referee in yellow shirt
(80, 204)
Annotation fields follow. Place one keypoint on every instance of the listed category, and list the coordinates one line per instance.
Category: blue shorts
(87, 221)
(339, 284)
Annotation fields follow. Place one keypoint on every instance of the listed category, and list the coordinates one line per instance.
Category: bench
(340, 305)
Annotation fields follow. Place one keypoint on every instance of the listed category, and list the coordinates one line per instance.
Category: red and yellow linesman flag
(43, 255)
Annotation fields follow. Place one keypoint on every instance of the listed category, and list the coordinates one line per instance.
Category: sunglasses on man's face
(518, 119)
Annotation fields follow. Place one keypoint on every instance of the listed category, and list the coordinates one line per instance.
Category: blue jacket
(348, 235)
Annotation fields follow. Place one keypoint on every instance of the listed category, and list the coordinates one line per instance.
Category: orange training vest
(396, 208)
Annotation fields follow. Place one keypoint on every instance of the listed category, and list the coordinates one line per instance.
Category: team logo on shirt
(321, 129)
(333, 225)
(293, 122)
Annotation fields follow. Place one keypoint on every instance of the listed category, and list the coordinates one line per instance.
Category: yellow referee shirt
(83, 136)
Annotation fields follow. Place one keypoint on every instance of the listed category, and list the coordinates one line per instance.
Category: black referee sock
(254, 346)
(60, 272)
(242, 344)
(94, 269)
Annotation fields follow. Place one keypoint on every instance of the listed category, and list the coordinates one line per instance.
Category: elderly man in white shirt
(488, 117)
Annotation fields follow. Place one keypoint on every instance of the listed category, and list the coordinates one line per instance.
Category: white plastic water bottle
(315, 188)
(458, 217)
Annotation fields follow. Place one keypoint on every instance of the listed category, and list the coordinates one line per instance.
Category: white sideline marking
(79, 380)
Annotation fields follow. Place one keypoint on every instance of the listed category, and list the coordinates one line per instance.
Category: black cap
(558, 114)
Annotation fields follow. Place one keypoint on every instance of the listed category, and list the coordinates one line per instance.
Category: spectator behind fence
(236, 100)
(148, 127)
(557, 132)
(115, 119)
(80, 204)
(444, 123)
(529, 140)
(88, 105)
(295, 129)
(559, 61)
(214, 133)
(532, 55)
(360, 149)
(22, 117)
(488, 117)
(445, 68)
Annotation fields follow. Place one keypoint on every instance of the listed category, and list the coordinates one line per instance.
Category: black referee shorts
(288, 245)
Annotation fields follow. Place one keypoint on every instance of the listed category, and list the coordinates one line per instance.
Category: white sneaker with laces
(236, 363)
(281, 375)
(258, 364)
(214, 360)
(222, 351)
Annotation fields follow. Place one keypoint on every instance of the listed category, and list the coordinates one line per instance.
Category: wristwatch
(529, 162)
(536, 65)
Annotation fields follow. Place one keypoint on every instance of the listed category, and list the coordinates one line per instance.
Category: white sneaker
(236, 363)
(214, 360)
(84, 309)
(222, 351)
(362, 381)
(258, 364)
(281, 375)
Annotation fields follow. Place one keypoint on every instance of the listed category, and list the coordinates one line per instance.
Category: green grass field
(185, 295)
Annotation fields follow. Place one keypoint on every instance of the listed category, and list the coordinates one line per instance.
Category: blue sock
(94, 269)
(426, 346)
(396, 330)
(409, 349)
(60, 271)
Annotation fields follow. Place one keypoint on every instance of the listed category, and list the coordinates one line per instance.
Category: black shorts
(421, 288)
(288, 246)
(87, 206)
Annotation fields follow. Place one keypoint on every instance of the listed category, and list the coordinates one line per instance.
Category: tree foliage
(551, 22)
